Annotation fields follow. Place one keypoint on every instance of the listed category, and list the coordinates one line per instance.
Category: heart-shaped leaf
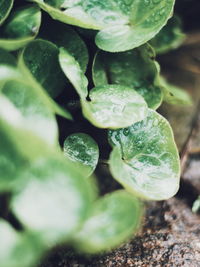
(5, 8)
(123, 24)
(82, 150)
(114, 106)
(114, 219)
(136, 68)
(21, 27)
(145, 159)
(41, 58)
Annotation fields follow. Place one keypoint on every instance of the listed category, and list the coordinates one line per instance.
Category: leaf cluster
(51, 72)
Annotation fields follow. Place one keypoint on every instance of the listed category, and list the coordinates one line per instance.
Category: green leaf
(65, 37)
(82, 150)
(73, 71)
(136, 68)
(173, 94)
(123, 24)
(170, 37)
(21, 27)
(62, 203)
(145, 159)
(114, 106)
(41, 58)
(114, 219)
(5, 8)
(6, 58)
(18, 249)
(37, 117)
(41, 91)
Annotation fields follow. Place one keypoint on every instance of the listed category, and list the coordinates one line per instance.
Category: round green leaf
(123, 24)
(114, 219)
(145, 159)
(37, 117)
(82, 150)
(41, 58)
(5, 8)
(74, 73)
(18, 249)
(65, 37)
(136, 68)
(21, 27)
(55, 200)
(170, 37)
(114, 106)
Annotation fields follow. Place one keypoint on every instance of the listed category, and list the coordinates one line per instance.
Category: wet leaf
(114, 218)
(145, 159)
(41, 58)
(123, 25)
(73, 71)
(125, 69)
(114, 106)
(82, 150)
(21, 27)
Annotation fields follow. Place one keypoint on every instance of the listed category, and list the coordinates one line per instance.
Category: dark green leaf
(114, 219)
(5, 8)
(21, 27)
(170, 37)
(82, 150)
(65, 37)
(145, 159)
(136, 68)
(41, 58)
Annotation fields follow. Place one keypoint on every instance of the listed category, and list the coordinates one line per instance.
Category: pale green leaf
(145, 158)
(18, 249)
(73, 71)
(21, 27)
(62, 203)
(37, 117)
(114, 106)
(5, 8)
(81, 149)
(136, 68)
(114, 219)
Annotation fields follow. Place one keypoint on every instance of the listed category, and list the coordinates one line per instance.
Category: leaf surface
(145, 159)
